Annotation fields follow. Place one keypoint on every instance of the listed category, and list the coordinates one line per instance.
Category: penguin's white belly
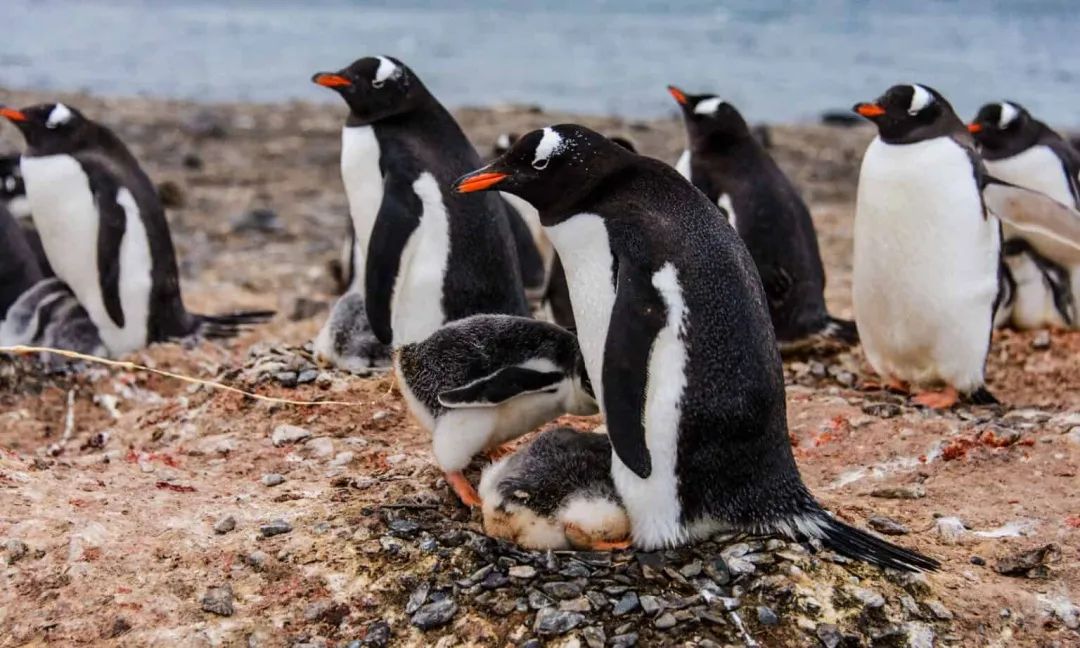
(653, 503)
(68, 221)
(364, 189)
(416, 308)
(582, 244)
(1037, 168)
(925, 266)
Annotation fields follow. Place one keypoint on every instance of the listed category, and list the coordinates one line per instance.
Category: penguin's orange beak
(975, 127)
(679, 95)
(12, 114)
(331, 80)
(479, 181)
(869, 109)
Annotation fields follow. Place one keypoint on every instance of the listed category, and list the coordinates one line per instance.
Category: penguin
(556, 493)
(13, 197)
(429, 256)
(678, 346)
(49, 315)
(1022, 150)
(104, 231)
(19, 269)
(479, 382)
(347, 342)
(731, 167)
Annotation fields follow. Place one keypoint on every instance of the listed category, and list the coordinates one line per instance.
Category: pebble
(551, 621)
(538, 600)
(938, 609)
(1030, 563)
(829, 635)
(320, 447)
(562, 590)
(286, 378)
(977, 560)
(15, 550)
(594, 637)
(522, 571)
(435, 614)
(275, 527)
(665, 621)
(417, 598)
(691, 570)
(766, 616)
(120, 625)
(286, 434)
(307, 376)
(342, 459)
(627, 604)
(257, 560)
(914, 491)
(403, 527)
(949, 529)
(887, 525)
(919, 635)
(218, 600)
(377, 635)
(273, 479)
(580, 604)
(869, 599)
(225, 524)
(624, 640)
(651, 604)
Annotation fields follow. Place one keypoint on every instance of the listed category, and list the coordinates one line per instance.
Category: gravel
(435, 614)
(225, 524)
(275, 527)
(273, 479)
(887, 525)
(552, 621)
(286, 434)
(218, 600)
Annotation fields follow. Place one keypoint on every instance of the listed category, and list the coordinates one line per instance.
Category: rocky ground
(137, 509)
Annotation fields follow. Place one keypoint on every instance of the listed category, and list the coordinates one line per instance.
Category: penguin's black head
(549, 167)
(911, 113)
(375, 87)
(1004, 125)
(709, 117)
(51, 128)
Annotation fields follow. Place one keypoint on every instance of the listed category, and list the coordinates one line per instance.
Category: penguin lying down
(346, 340)
(556, 493)
(479, 382)
(49, 315)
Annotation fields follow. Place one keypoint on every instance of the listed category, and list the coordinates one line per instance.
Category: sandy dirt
(111, 483)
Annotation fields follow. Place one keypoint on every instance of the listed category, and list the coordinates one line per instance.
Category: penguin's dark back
(19, 269)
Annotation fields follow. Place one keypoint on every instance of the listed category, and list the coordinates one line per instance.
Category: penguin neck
(723, 144)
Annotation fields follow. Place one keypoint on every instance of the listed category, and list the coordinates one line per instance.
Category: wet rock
(766, 616)
(218, 600)
(435, 614)
(286, 434)
(224, 524)
(665, 621)
(1030, 563)
(887, 525)
(562, 590)
(882, 410)
(275, 527)
(627, 604)
(262, 220)
(911, 492)
(273, 479)
(552, 621)
(14, 551)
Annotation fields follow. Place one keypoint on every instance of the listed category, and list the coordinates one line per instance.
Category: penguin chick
(479, 382)
(556, 493)
(49, 315)
(346, 340)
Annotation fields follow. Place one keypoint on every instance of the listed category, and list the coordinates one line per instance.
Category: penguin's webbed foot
(943, 399)
(463, 489)
(581, 539)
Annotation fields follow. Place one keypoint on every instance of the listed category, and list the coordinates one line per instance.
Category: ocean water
(777, 61)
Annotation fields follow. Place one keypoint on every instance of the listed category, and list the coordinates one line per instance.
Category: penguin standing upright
(429, 256)
(1020, 149)
(729, 165)
(104, 231)
(678, 345)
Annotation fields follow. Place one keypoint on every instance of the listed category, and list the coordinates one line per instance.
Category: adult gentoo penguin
(675, 333)
(429, 256)
(1020, 149)
(481, 381)
(729, 165)
(104, 231)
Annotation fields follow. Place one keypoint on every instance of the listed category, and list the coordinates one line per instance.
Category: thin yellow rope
(131, 366)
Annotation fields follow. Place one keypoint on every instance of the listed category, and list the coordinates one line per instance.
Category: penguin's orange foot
(498, 452)
(607, 545)
(897, 386)
(943, 399)
(581, 539)
(463, 489)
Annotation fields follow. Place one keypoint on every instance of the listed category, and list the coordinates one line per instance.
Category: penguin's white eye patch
(920, 98)
(387, 70)
(551, 144)
(60, 115)
(1009, 113)
(708, 106)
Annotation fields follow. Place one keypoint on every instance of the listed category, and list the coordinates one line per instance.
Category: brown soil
(117, 519)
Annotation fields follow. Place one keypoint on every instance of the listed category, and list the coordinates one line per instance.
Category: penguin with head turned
(425, 255)
(1020, 149)
(678, 345)
(729, 164)
(104, 231)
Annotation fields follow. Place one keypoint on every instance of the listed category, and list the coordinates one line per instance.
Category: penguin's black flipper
(637, 317)
(111, 227)
(860, 545)
(499, 387)
(393, 226)
(217, 327)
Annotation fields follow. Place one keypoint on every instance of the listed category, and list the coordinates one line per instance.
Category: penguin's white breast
(583, 245)
(683, 164)
(67, 219)
(416, 308)
(363, 187)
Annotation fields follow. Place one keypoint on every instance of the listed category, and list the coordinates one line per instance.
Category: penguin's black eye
(540, 165)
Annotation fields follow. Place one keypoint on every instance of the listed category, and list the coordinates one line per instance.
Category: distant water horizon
(777, 61)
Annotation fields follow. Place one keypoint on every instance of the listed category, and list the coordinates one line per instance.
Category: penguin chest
(67, 218)
(364, 188)
(416, 308)
(1036, 168)
(925, 263)
(583, 245)
(683, 164)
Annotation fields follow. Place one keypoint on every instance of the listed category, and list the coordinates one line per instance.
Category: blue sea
(777, 61)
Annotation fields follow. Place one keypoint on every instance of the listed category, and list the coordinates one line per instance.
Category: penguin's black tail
(229, 325)
(982, 396)
(860, 545)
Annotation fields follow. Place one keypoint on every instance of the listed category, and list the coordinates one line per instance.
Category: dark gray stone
(275, 527)
(435, 614)
(552, 621)
(562, 590)
(627, 604)
(766, 616)
(218, 600)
